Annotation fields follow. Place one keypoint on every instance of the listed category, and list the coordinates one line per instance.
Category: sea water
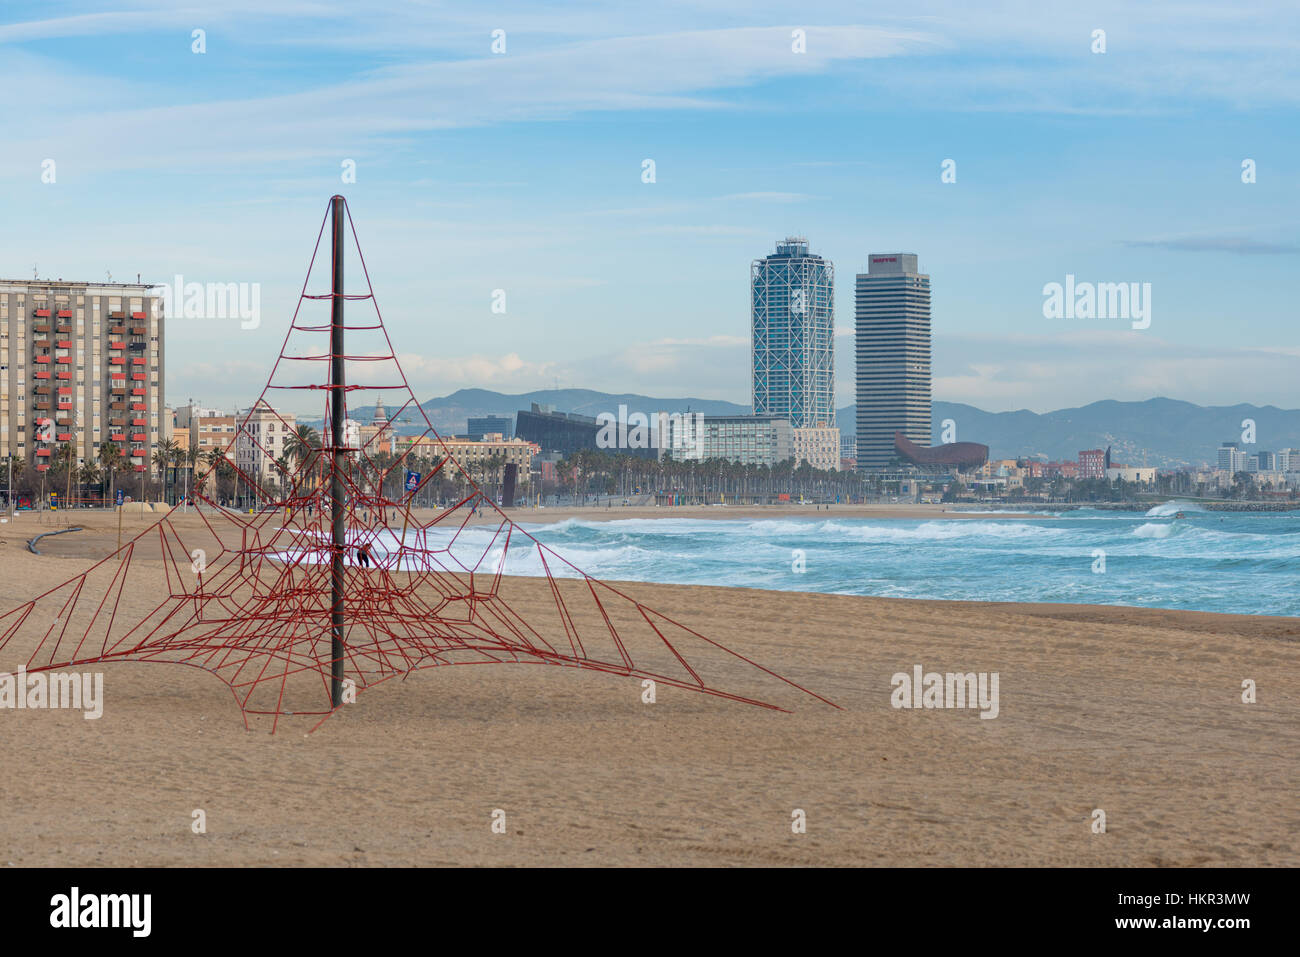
(1245, 563)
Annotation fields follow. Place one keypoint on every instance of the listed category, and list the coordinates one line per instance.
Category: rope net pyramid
(299, 613)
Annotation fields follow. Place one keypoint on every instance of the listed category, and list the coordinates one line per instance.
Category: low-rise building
(263, 439)
(206, 429)
(1131, 473)
(1092, 464)
(473, 455)
(819, 446)
(747, 439)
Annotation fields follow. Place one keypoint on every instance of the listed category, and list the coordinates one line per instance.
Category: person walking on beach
(363, 554)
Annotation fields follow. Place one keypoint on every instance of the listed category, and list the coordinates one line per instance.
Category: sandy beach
(1137, 712)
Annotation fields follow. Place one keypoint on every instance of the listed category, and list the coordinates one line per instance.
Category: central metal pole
(339, 513)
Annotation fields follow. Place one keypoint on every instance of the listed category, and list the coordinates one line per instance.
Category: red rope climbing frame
(248, 597)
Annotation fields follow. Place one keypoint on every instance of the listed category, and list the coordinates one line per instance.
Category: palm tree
(175, 454)
(492, 472)
(160, 459)
(303, 446)
(111, 458)
(282, 470)
(14, 473)
(190, 458)
(218, 466)
(66, 457)
(88, 474)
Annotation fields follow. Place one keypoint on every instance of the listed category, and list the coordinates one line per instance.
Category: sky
(522, 171)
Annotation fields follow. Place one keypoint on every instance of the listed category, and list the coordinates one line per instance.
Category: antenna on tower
(109, 275)
(35, 274)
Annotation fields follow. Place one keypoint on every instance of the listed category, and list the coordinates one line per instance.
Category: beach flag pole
(339, 514)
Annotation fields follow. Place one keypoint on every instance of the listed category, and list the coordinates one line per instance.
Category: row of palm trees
(184, 470)
(110, 467)
(383, 473)
(596, 472)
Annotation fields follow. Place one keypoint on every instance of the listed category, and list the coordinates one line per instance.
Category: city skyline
(524, 172)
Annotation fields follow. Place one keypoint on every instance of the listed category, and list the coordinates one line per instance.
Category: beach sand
(1134, 711)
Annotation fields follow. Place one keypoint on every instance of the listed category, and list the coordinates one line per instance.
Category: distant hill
(1171, 433)
(449, 413)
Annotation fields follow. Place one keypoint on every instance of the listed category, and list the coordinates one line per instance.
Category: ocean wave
(940, 531)
(1173, 507)
(1227, 563)
(1154, 530)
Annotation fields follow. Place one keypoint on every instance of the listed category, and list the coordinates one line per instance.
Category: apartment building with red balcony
(85, 337)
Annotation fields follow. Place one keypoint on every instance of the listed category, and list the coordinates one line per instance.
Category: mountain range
(1161, 432)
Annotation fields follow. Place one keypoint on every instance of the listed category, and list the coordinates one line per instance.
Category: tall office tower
(81, 364)
(893, 354)
(792, 299)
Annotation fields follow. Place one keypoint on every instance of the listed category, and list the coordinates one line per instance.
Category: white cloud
(355, 115)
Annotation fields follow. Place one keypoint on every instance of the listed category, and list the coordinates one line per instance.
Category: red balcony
(42, 359)
(137, 391)
(117, 375)
(137, 315)
(65, 375)
(138, 360)
(139, 437)
(63, 360)
(63, 344)
(41, 328)
(117, 437)
(138, 377)
(139, 422)
(117, 345)
(137, 406)
(43, 453)
(65, 406)
(43, 374)
(117, 315)
(65, 436)
(139, 468)
(117, 361)
(40, 343)
(42, 467)
(65, 313)
(43, 313)
(139, 330)
(43, 406)
(65, 390)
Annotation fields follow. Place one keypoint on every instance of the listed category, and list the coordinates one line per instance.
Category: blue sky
(522, 172)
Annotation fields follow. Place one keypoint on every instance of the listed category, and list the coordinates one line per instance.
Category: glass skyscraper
(893, 356)
(792, 307)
